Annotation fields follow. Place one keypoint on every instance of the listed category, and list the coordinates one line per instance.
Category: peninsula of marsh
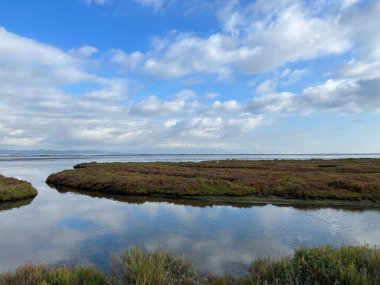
(332, 182)
(12, 189)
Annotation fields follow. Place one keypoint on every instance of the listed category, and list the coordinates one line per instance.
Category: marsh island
(333, 181)
(12, 189)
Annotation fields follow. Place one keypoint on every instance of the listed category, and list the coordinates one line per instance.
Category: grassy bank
(322, 265)
(12, 189)
(342, 180)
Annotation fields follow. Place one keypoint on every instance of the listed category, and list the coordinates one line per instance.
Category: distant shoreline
(183, 157)
(36, 153)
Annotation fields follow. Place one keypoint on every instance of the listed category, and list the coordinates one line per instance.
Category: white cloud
(360, 69)
(289, 76)
(186, 53)
(345, 95)
(290, 34)
(93, 134)
(362, 24)
(205, 127)
(228, 106)
(347, 3)
(83, 52)
(273, 102)
(130, 62)
(340, 96)
(249, 43)
(220, 127)
(185, 94)
(25, 61)
(115, 90)
(212, 95)
(153, 106)
(19, 141)
(267, 86)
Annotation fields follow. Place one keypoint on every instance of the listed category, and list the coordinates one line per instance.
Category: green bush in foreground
(136, 267)
(320, 265)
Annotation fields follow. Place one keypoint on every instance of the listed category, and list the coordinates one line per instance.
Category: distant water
(71, 228)
(186, 157)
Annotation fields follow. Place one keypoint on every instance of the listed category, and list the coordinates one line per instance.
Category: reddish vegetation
(346, 179)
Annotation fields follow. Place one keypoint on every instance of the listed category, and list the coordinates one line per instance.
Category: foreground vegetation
(322, 265)
(345, 179)
(12, 189)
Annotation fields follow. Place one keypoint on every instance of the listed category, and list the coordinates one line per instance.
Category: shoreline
(199, 201)
(287, 202)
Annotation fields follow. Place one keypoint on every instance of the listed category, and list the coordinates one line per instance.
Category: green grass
(341, 180)
(12, 189)
(322, 265)
(319, 265)
(150, 268)
(37, 274)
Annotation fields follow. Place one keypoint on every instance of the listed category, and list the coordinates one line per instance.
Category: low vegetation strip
(12, 189)
(346, 179)
(321, 265)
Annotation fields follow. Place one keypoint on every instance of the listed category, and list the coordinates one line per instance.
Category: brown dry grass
(346, 179)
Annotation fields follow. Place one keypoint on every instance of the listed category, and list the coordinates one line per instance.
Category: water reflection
(132, 199)
(71, 228)
(14, 204)
(145, 199)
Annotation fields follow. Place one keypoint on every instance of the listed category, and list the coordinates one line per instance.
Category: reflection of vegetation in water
(200, 202)
(12, 189)
(344, 180)
(15, 204)
(134, 199)
(321, 265)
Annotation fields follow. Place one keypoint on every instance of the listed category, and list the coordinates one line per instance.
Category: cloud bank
(54, 98)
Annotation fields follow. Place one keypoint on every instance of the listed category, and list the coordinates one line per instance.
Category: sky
(171, 76)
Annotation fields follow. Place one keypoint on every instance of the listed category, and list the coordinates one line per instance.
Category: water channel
(70, 228)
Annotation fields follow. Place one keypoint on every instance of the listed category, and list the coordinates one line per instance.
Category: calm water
(70, 228)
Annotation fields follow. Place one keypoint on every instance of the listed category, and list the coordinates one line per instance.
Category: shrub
(32, 274)
(152, 268)
(321, 265)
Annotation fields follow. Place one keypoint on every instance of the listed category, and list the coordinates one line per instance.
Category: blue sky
(192, 76)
